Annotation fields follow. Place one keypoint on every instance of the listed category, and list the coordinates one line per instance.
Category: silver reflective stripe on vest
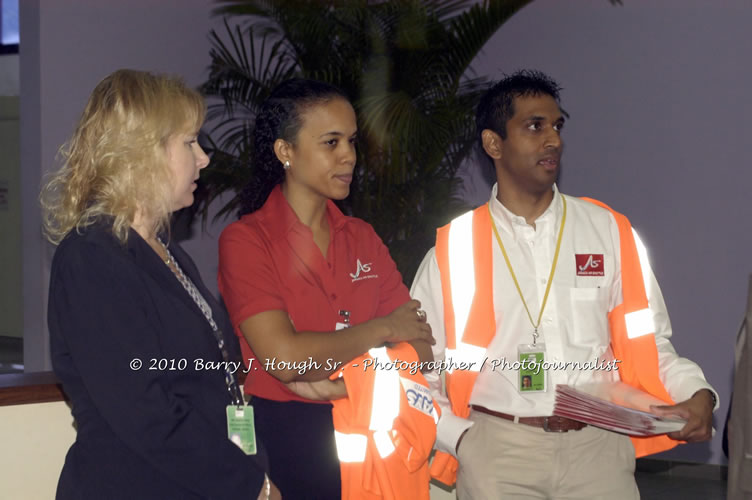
(384, 443)
(386, 391)
(350, 447)
(461, 270)
(641, 322)
(469, 356)
(385, 407)
(462, 279)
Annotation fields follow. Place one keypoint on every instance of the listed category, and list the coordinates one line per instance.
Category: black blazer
(154, 431)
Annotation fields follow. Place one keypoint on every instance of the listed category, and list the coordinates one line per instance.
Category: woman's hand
(407, 323)
(320, 390)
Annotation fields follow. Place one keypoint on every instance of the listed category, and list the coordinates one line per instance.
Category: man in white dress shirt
(551, 299)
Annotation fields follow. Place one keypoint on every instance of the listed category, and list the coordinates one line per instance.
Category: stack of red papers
(614, 406)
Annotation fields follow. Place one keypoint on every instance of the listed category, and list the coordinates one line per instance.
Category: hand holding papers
(614, 406)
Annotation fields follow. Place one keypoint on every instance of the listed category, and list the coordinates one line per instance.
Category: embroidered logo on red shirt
(364, 268)
(589, 264)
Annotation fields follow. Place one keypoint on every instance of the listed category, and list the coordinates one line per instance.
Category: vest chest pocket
(589, 309)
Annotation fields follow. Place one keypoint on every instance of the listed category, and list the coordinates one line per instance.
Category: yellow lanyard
(550, 276)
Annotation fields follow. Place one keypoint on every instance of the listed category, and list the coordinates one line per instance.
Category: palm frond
(472, 29)
(243, 71)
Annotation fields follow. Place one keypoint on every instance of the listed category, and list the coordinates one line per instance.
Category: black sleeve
(98, 307)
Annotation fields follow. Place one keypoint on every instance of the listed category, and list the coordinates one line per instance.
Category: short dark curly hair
(280, 118)
(496, 106)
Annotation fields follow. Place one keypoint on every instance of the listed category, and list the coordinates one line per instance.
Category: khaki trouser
(503, 460)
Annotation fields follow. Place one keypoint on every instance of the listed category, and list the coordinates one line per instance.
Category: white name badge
(418, 397)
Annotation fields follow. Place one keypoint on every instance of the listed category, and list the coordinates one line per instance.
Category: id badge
(345, 323)
(240, 428)
(532, 376)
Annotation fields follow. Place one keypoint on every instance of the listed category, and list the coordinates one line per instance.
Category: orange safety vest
(632, 330)
(386, 427)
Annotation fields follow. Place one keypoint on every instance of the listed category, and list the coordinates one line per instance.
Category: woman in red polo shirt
(306, 286)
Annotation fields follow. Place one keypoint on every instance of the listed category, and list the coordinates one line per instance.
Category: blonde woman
(138, 342)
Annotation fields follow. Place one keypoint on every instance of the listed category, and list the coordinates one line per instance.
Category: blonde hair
(115, 163)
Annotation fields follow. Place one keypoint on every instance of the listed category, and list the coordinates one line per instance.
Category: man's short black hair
(496, 106)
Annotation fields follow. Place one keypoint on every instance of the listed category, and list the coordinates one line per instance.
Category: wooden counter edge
(30, 388)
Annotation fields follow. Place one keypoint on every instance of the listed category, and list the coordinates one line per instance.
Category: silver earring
(287, 165)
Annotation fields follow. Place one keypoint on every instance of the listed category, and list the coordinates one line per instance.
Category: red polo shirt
(269, 261)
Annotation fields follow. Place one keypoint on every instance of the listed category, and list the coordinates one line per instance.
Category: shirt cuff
(448, 432)
(690, 387)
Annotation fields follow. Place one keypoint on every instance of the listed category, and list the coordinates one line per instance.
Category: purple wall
(659, 99)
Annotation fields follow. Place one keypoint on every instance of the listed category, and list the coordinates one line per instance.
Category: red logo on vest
(589, 264)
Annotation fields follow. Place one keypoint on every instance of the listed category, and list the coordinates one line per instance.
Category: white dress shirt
(574, 326)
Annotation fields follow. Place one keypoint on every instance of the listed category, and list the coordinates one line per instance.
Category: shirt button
(543, 280)
(333, 296)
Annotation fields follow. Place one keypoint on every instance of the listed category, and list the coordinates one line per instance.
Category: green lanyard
(550, 276)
